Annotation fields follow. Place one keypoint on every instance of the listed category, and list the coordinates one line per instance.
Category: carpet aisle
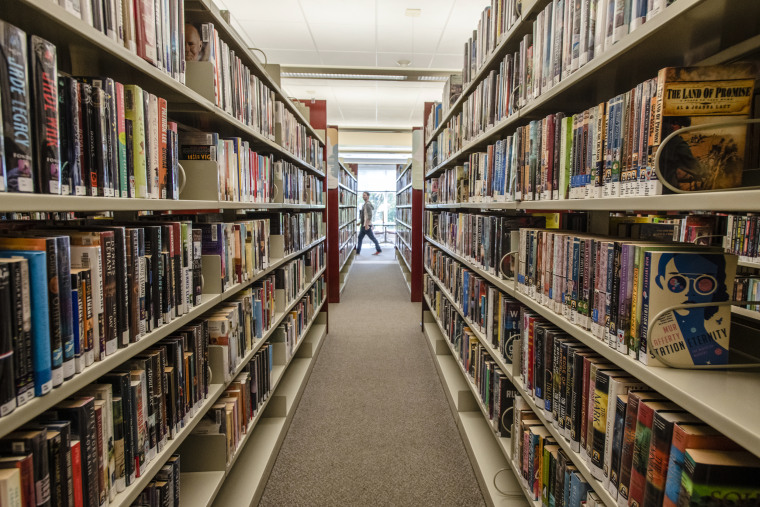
(373, 426)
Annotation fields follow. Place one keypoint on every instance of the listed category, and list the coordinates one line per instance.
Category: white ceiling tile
(292, 57)
(446, 61)
(339, 11)
(394, 11)
(418, 60)
(348, 58)
(265, 10)
(278, 35)
(334, 37)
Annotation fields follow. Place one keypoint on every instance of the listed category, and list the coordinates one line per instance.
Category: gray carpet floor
(373, 426)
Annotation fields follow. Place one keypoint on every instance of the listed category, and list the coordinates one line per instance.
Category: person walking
(368, 210)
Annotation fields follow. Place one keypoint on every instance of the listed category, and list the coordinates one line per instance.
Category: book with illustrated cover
(45, 86)
(709, 158)
(719, 478)
(690, 336)
(16, 114)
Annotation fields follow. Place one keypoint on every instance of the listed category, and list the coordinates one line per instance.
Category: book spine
(134, 112)
(44, 76)
(111, 135)
(7, 331)
(23, 365)
(63, 265)
(17, 130)
(121, 137)
(76, 473)
(163, 169)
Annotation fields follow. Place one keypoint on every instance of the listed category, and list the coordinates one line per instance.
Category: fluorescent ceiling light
(433, 78)
(413, 13)
(318, 75)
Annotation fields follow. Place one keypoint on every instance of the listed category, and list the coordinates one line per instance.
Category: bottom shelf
(346, 270)
(489, 461)
(245, 483)
(404, 270)
(199, 488)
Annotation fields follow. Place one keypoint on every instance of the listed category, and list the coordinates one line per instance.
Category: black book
(31, 441)
(81, 413)
(539, 371)
(121, 386)
(72, 181)
(144, 364)
(99, 124)
(133, 262)
(87, 138)
(78, 311)
(17, 124)
(154, 289)
(67, 311)
(119, 448)
(57, 471)
(22, 334)
(63, 428)
(44, 81)
(7, 325)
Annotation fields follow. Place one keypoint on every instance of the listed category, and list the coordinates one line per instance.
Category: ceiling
(355, 34)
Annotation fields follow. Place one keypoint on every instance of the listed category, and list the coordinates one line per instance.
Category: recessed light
(403, 63)
(310, 92)
(413, 13)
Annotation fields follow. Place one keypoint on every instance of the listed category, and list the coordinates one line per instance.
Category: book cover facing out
(688, 336)
(710, 157)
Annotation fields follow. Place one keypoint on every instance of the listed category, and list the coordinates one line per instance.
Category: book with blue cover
(41, 354)
(686, 336)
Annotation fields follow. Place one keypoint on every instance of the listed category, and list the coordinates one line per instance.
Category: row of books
(404, 233)
(636, 443)
(609, 150)
(615, 289)
(240, 93)
(405, 179)
(495, 389)
(565, 36)
(79, 136)
(232, 414)
(345, 251)
(164, 490)
(299, 230)
(404, 250)
(586, 399)
(291, 331)
(404, 198)
(346, 216)
(347, 178)
(484, 240)
(405, 215)
(99, 286)
(248, 176)
(346, 233)
(152, 29)
(93, 445)
(294, 277)
(93, 289)
(346, 198)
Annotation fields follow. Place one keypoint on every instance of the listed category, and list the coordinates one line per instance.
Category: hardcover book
(44, 80)
(711, 157)
(688, 336)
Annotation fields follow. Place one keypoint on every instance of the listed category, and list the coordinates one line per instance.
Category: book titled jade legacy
(692, 335)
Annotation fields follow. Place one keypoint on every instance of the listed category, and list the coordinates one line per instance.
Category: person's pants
(366, 232)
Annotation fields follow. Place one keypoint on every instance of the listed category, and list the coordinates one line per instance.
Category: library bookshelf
(348, 222)
(214, 480)
(669, 39)
(404, 211)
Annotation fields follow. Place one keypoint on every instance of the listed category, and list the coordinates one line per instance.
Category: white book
(583, 33)
(621, 22)
(73, 6)
(600, 27)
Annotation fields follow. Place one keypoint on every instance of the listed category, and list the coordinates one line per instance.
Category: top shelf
(686, 32)
(404, 170)
(206, 10)
(94, 53)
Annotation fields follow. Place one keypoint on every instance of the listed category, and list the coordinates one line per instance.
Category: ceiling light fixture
(403, 63)
(320, 75)
(433, 78)
(413, 13)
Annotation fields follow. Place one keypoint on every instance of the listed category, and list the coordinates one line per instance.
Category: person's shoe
(377, 253)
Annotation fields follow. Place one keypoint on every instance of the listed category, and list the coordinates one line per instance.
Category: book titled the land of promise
(711, 157)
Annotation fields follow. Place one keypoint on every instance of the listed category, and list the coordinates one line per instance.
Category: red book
(76, 468)
(145, 13)
(642, 440)
(25, 467)
(163, 170)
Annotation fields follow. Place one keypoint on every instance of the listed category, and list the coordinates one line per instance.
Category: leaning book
(693, 335)
(711, 157)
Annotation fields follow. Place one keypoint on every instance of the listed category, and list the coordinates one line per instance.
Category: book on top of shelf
(712, 157)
